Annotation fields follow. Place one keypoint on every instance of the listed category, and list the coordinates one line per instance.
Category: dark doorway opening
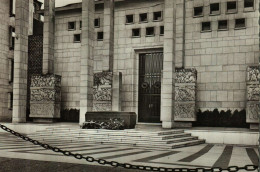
(149, 102)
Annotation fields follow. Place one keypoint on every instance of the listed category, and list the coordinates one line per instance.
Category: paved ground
(205, 155)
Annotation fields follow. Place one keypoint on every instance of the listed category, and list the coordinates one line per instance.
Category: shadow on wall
(214, 118)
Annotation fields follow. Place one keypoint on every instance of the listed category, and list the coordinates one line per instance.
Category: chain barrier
(126, 165)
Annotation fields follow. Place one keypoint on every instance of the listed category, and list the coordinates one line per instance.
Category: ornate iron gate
(35, 55)
(150, 67)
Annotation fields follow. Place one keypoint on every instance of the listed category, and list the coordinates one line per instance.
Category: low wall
(227, 137)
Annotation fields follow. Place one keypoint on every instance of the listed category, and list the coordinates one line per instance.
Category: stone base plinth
(128, 117)
(44, 120)
(254, 126)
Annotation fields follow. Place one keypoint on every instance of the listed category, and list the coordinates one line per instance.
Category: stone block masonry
(6, 56)
(220, 56)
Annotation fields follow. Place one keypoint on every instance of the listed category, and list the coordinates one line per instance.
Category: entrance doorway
(149, 101)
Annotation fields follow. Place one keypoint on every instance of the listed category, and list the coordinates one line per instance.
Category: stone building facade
(217, 38)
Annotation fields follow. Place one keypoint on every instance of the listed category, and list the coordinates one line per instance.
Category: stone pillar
(253, 89)
(108, 41)
(20, 61)
(180, 34)
(168, 73)
(117, 92)
(86, 65)
(48, 37)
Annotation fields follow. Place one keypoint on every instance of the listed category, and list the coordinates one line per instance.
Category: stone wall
(5, 56)
(67, 58)
(126, 48)
(67, 53)
(221, 57)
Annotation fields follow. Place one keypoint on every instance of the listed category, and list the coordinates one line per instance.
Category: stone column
(117, 92)
(180, 34)
(168, 73)
(48, 37)
(20, 61)
(108, 41)
(86, 65)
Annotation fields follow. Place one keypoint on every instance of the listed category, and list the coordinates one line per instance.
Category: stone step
(151, 139)
(128, 131)
(103, 134)
(182, 139)
(125, 141)
(161, 139)
(187, 143)
(176, 136)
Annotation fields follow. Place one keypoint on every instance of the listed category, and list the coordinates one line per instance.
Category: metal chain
(126, 165)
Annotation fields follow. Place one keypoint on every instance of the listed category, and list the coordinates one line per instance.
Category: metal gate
(150, 67)
(35, 55)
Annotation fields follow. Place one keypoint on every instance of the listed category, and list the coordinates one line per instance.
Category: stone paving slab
(205, 155)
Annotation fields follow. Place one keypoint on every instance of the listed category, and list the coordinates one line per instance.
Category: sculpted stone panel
(103, 78)
(102, 91)
(46, 81)
(45, 110)
(253, 92)
(253, 74)
(252, 112)
(102, 106)
(185, 112)
(185, 93)
(45, 94)
(186, 75)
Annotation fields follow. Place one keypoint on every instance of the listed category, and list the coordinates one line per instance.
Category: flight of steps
(168, 139)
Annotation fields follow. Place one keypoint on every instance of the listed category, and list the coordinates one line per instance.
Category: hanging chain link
(126, 165)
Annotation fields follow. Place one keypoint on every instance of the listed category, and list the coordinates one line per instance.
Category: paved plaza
(205, 155)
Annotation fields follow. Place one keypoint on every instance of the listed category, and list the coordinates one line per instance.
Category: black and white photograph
(129, 85)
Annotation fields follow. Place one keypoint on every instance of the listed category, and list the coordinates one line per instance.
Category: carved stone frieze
(186, 75)
(45, 94)
(253, 74)
(252, 112)
(185, 93)
(103, 78)
(185, 112)
(102, 91)
(44, 110)
(46, 81)
(253, 92)
(102, 106)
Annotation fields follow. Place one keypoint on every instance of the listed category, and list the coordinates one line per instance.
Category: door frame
(137, 52)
